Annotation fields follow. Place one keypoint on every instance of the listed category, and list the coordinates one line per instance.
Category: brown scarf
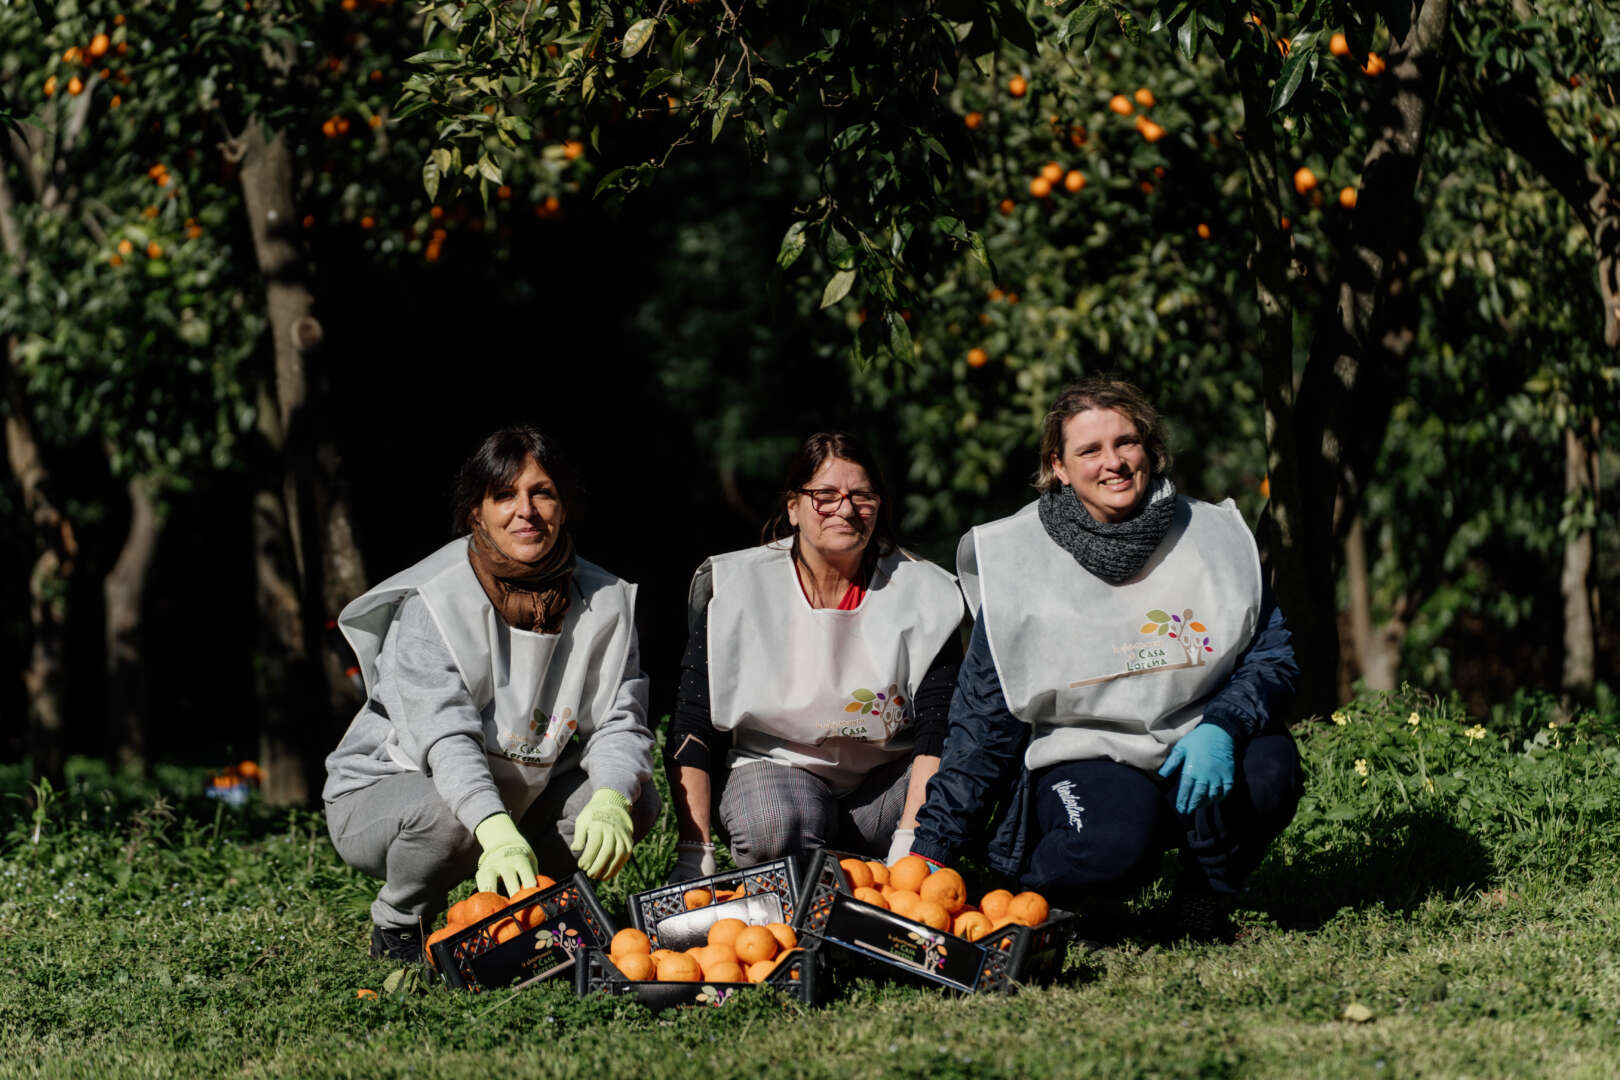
(529, 596)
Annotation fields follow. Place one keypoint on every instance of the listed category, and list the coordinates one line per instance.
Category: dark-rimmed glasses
(827, 501)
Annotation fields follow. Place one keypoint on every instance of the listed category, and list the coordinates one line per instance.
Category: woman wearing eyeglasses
(817, 679)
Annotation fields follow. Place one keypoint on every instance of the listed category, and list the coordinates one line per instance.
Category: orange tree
(173, 177)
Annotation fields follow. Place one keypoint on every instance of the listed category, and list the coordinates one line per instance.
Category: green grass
(1463, 889)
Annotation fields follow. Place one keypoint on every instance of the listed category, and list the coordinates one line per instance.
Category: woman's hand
(507, 859)
(1208, 766)
(603, 834)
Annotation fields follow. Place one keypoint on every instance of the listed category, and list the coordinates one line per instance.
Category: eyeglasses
(827, 501)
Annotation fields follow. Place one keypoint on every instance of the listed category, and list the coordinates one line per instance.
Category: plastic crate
(771, 895)
(884, 944)
(595, 974)
(573, 920)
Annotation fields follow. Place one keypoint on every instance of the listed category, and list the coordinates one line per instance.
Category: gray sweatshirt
(418, 693)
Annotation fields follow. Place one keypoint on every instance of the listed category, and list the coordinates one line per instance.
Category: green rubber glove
(507, 858)
(603, 835)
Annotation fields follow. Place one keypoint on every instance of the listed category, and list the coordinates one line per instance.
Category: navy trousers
(1102, 827)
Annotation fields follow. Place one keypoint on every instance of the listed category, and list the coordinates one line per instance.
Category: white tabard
(827, 691)
(1113, 671)
(533, 691)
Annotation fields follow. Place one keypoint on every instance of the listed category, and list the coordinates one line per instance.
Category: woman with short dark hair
(505, 728)
(1127, 681)
(817, 676)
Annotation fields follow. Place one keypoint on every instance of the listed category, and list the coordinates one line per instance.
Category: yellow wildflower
(1476, 732)
(1340, 719)
(1414, 720)
(1361, 767)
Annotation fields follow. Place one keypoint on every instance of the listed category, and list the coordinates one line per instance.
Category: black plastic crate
(795, 976)
(573, 920)
(771, 895)
(885, 944)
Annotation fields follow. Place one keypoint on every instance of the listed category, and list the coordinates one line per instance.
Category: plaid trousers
(770, 810)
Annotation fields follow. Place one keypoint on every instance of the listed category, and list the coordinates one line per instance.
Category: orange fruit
(710, 957)
(660, 955)
(368, 222)
(457, 915)
(903, 902)
(364, 993)
(872, 896)
(541, 884)
(1029, 908)
(125, 247)
(972, 120)
(946, 888)
(1347, 198)
(505, 930)
(437, 936)
(115, 259)
(783, 933)
(504, 191)
(756, 943)
(1144, 97)
(727, 971)
(696, 898)
(1203, 231)
(1075, 180)
(860, 875)
(636, 966)
(154, 250)
(1052, 171)
(1005, 920)
(1375, 64)
(880, 873)
(724, 931)
(75, 86)
(50, 85)
(1339, 45)
(909, 873)
(531, 916)
(376, 121)
(679, 967)
(627, 941)
(994, 903)
(971, 925)
(1007, 206)
(930, 913)
(572, 149)
(1017, 86)
(481, 905)
(99, 45)
(757, 972)
(1040, 187)
(1304, 180)
(71, 56)
(1285, 223)
(1150, 131)
(1121, 104)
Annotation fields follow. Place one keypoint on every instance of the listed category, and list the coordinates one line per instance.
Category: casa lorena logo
(1166, 642)
(534, 748)
(873, 714)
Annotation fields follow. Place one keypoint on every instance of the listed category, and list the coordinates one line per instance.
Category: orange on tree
(72, 55)
(75, 86)
(977, 357)
(1375, 64)
(50, 85)
(115, 259)
(99, 45)
(1150, 131)
(1285, 223)
(125, 247)
(1121, 104)
(1339, 45)
(504, 191)
(368, 222)
(972, 120)
(1144, 97)
(1304, 180)
(1074, 180)
(376, 120)
(1052, 171)
(1017, 86)
(1347, 198)
(1203, 231)
(1008, 206)
(1040, 187)
(154, 250)
(572, 149)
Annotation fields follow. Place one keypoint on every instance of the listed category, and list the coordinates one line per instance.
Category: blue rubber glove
(1205, 756)
(507, 858)
(603, 834)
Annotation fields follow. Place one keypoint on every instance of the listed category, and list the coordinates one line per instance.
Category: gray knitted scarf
(1112, 551)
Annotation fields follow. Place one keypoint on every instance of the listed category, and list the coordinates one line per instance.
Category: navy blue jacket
(981, 773)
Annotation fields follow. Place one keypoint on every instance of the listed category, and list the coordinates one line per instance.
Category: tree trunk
(125, 591)
(1282, 537)
(316, 567)
(1356, 365)
(1377, 648)
(1577, 581)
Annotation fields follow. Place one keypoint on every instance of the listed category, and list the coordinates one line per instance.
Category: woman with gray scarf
(1125, 687)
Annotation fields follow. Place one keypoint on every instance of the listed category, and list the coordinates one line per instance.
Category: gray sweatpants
(770, 810)
(400, 829)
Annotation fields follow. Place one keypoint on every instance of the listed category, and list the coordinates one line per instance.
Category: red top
(851, 599)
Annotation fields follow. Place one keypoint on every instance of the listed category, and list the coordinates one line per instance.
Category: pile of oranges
(481, 905)
(939, 899)
(735, 952)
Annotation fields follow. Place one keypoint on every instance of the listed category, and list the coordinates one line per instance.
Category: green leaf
(1015, 26)
(430, 177)
(636, 38)
(719, 122)
(1081, 24)
(837, 288)
(792, 245)
(899, 336)
(655, 78)
(1292, 74)
(863, 694)
(488, 169)
(1187, 36)
(436, 56)
(1158, 616)
(849, 137)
